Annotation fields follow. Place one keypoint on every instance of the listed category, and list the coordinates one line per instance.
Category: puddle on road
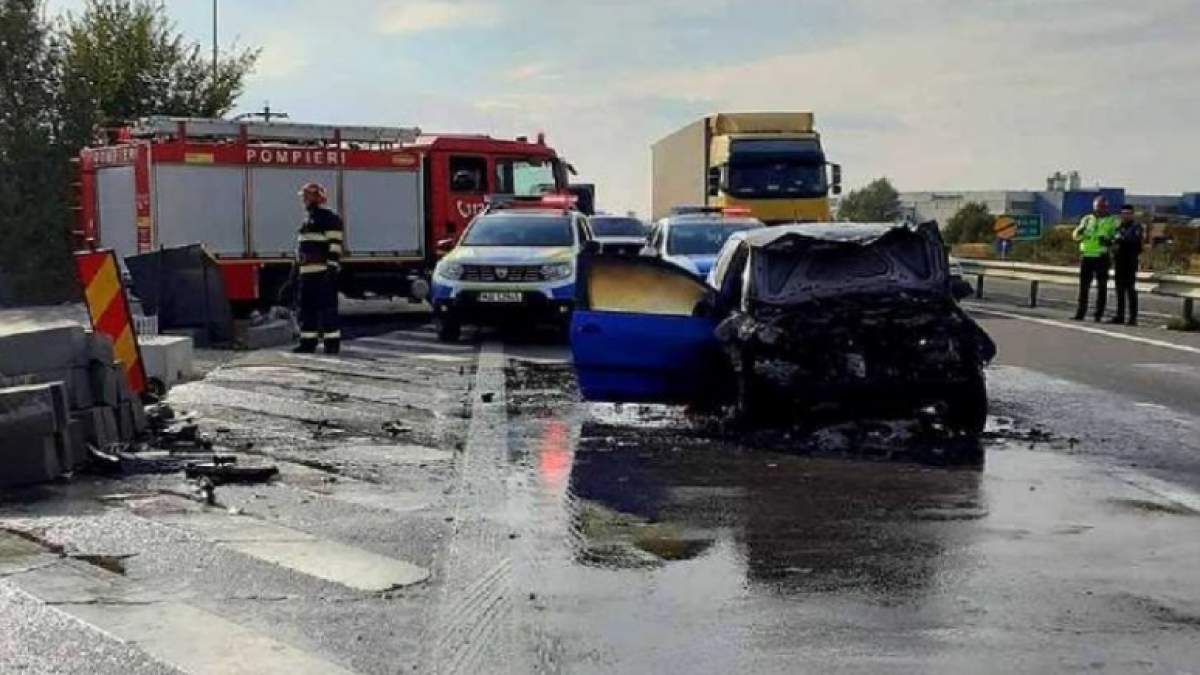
(668, 543)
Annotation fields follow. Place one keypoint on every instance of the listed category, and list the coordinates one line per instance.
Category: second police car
(515, 263)
(692, 236)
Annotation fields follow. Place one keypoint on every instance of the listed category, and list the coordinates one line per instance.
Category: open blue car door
(636, 335)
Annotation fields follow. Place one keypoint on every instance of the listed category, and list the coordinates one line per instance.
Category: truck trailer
(770, 163)
(232, 186)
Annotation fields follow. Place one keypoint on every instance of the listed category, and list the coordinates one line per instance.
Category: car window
(509, 230)
(702, 238)
(468, 174)
(619, 285)
(607, 226)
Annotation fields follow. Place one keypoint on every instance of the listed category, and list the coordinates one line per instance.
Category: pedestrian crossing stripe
(109, 312)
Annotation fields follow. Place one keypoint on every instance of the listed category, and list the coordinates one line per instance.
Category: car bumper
(463, 304)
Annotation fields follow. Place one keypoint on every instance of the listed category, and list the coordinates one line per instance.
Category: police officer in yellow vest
(319, 255)
(1095, 235)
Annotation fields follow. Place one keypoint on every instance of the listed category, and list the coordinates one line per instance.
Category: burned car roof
(841, 232)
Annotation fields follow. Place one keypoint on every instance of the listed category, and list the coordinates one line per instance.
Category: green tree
(34, 251)
(877, 202)
(971, 224)
(124, 59)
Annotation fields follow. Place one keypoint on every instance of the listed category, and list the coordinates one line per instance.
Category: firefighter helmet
(315, 191)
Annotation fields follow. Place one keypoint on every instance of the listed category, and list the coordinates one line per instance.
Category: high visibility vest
(1096, 234)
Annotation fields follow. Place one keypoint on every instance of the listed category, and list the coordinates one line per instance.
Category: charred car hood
(797, 264)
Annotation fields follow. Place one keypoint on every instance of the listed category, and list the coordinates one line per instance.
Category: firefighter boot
(333, 343)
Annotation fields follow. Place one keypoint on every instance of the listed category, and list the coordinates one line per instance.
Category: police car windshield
(515, 230)
(617, 227)
(702, 238)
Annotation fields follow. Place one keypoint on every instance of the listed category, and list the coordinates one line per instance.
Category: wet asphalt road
(456, 509)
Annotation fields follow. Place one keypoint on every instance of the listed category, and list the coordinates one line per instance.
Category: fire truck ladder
(287, 132)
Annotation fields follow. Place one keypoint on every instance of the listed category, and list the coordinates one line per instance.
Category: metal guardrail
(1184, 287)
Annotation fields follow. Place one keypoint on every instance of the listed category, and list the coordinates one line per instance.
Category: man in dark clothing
(1127, 247)
(319, 255)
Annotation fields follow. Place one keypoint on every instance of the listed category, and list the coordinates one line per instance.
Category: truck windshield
(618, 227)
(776, 169)
(513, 230)
(525, 177)
(776, 180)
(705, 238)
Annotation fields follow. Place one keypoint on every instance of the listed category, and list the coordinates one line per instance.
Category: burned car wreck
(794, 321)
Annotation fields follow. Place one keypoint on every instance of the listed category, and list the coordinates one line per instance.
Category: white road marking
(423, 344)
(299, 551)
(200, 642)
(392, 353)
(1159, 488)
(189, 639)
(473, 629)
(1084, 329)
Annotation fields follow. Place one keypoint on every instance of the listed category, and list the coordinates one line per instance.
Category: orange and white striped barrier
(109, 311)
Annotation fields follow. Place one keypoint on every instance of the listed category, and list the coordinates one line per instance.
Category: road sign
(1005, 228)
(1028, 226)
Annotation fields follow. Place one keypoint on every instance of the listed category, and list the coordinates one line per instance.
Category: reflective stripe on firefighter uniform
(319, 253)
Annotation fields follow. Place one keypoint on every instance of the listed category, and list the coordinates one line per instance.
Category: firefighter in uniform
(319, 254)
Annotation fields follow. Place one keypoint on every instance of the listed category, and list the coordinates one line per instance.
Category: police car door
(636, 335)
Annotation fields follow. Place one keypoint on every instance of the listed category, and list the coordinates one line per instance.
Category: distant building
(1054, 206)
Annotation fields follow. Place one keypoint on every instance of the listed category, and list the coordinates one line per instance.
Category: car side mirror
(835, 178)
(714, 181)
(591, 247)
(445, 245)
(961, 288)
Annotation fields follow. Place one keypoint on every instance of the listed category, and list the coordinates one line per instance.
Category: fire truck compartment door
(275, 209)
(115, 207)
(383, 212)
(200, 204)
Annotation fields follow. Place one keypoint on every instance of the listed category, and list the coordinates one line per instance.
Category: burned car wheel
(967, 405)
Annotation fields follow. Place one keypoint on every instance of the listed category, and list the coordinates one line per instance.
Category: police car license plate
(500, 296)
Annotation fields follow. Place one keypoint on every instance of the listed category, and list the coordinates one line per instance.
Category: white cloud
(531, 71)
(420, 16)
(282, 57)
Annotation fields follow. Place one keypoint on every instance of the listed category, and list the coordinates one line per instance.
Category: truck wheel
(448, 330)
(967, 405)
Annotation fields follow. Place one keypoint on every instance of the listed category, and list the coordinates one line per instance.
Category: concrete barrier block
(29, 459)
(198, 335)
(76, 446)
(99, 426)
(32, 410)
(77, 385)
(106, 380)
(100, 348)
(30, 347)
(168, 358)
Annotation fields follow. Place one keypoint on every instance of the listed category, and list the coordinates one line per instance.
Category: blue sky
(935, 94)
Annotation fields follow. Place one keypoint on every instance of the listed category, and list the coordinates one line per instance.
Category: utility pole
(214, 45)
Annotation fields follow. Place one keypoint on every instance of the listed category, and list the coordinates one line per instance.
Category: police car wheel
(448, 330)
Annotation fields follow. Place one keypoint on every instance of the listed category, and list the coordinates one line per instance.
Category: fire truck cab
(231, 186)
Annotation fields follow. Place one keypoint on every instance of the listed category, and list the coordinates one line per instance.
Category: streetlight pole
(214, 45)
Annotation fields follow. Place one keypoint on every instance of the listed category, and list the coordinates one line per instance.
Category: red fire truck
(231, 185)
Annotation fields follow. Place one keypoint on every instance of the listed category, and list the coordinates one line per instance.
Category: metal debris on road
(223, 473)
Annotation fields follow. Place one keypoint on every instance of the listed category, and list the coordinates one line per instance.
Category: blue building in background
(1062, 202)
